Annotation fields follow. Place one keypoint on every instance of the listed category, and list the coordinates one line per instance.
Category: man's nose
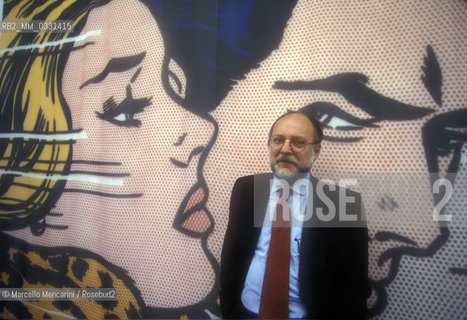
(287, 147)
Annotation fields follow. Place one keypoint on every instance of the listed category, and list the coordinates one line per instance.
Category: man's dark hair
(318, 137)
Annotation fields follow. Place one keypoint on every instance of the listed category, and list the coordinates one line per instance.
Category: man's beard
(294, 174)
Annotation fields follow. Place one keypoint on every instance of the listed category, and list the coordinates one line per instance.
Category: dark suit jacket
(333, 270)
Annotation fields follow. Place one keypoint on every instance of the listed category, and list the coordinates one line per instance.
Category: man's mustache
(287, 159)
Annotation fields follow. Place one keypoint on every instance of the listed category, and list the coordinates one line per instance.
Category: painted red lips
(194, 219)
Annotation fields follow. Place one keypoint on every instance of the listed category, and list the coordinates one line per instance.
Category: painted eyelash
(128, 107)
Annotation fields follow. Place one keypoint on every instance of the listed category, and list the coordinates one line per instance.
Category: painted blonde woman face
(138, 162)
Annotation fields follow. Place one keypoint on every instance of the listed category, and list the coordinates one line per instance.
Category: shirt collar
(301, 186)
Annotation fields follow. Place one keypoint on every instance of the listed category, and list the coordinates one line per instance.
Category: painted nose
(201, 131)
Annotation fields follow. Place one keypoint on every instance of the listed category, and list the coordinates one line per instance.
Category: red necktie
(274, 302)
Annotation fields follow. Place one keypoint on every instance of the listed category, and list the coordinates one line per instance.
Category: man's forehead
(293, 123)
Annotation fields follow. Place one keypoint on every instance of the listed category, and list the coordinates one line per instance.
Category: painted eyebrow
(352, 86)
(116, 65)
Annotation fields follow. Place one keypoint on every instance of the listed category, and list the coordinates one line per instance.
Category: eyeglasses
(297, 144)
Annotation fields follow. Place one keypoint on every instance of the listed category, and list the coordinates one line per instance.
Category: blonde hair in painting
(36, 136)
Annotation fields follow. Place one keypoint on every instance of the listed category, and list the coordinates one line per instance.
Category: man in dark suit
(327, 245)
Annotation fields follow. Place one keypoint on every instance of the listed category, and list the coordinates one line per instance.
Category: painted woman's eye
(122, 114)
(123, 117)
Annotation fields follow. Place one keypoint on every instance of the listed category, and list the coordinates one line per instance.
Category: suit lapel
(315, 242)
(262, 187)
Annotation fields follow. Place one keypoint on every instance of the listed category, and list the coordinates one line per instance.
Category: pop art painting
(121, 136)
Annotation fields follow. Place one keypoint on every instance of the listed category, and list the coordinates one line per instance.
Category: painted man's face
(138, 162)
(370, 77)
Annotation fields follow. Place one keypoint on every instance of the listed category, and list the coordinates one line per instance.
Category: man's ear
(177, 78)
(317, 150)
